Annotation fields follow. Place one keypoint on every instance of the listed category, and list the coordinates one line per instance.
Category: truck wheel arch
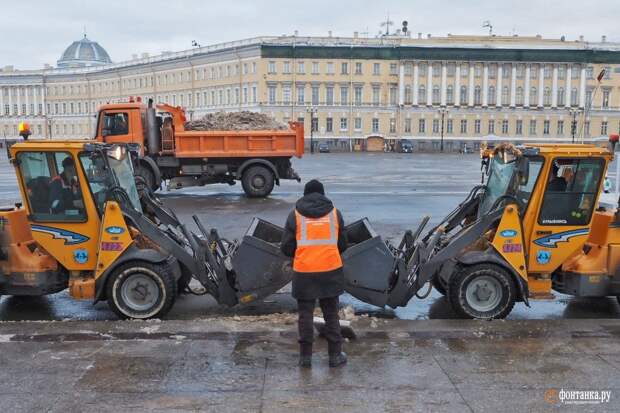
(263, 162)
(148, 162)
(134, 254)
(480, 257)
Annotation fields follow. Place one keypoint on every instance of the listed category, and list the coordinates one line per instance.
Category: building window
(393, 95)
(358, 68)
(506, 71)
(478, 71)
(505, 126)
(287, 68)
(519, 96)
(407, 95)
(315, 68)
(376, 93)
(329, 125)
(301, 68)
(343, 124)
(286, 95)
(519, 127)
(450, 95)
(589, 98)
(375, 125)
(534, 72)
(376, 68)
(435, 125)
(520, 71)
(560, 127)
(464, 126)
(344, 68)
(561, 96)
(301, 95)
(573, 97)
(358, 95)
(422, 95)
(547, 72)
(477, 126)
(561, 72)
(392, 125)
(436, 95)
(547, 96)
(605, 98)
(590, 72)
(436, 69)
(407, 125)
(421, 126)
(533, 96)
(533, 127)
(463, 97)
(329, 95)
(546, 127)
(449, 126)
(423, 68)
(604, 128)
(451, 69)
(358, 124)
(408, 69)
(393, 69)
(575, 72)
(492, 70)
(315, 95)
(505, 96)
(477, 97)
(344, 95)
(330, 68)
(464, 70)
(491, 128)
(492, 95)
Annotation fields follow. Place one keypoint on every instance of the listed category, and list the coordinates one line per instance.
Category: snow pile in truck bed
(231, 121)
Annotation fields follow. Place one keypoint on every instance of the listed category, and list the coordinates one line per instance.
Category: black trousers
(329, 306)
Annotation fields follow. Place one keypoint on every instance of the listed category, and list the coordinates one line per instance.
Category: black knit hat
(314, 186)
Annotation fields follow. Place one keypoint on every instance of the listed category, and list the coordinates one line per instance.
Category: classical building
(459, 90)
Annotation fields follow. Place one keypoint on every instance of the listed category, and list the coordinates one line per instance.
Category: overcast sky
(34, 32)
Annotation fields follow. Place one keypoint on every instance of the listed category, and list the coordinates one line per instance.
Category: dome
(82, 53)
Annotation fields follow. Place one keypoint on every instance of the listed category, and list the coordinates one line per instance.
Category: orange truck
(257, 158)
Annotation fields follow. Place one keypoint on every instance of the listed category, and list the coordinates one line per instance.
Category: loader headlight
(118, 152)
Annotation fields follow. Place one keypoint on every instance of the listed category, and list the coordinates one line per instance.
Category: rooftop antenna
(85, 31)
(195, 43)
(387, 23)
(487, 23)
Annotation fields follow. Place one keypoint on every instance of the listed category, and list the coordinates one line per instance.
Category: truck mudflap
(259, 268)
(374, 271)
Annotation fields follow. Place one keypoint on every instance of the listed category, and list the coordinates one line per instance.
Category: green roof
(441, 53)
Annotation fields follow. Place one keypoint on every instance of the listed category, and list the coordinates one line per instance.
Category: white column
(513, 86)
(1, 101)
(526, 92)
(541, 84)
(582, 88)
(401, 84)
(10, 90)
(43, 103)
(471, 84)
(429, 84)
(457, 85)
(416, 73)
(554, 87)
(27, 99)
(444, 79)
(485, 85)
(498, 92)
(19, 100)
(567, 88)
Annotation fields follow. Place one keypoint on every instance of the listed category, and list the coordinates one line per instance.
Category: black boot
(338, 359)
(305, 355)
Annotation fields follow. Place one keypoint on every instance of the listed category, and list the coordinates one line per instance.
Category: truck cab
(169, 152)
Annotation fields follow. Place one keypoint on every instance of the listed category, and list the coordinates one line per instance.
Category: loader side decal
(70, 238)
(550, 241)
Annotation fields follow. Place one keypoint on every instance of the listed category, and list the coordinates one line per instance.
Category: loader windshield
(500, 176)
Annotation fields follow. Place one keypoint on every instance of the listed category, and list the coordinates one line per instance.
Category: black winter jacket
(309, 286)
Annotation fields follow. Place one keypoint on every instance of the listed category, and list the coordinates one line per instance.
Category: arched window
(463, 97)
(573, 97)
(436, 95)
(561, 96)
(547, 96)
(533, 96)
(450, 95)
(407, 95)
(505, 96)
(519, 97)
(477, 97)
(422, 95)
(492, 96)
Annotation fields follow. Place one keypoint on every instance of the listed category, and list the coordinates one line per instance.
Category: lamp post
(573, 112)
(443, 112)
(311, 111)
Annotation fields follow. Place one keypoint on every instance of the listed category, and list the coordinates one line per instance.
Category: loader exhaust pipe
(153, 134)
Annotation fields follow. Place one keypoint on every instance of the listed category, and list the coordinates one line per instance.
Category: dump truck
(82, 225)
(169, 152)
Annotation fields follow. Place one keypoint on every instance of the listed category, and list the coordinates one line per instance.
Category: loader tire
(257, 182)
(438, 285)
(483, 291)
(141, 290)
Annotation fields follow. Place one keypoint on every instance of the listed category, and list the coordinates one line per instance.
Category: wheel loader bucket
(259, 266)
(372, 269)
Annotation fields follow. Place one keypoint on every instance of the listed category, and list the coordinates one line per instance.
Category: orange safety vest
(317, 243)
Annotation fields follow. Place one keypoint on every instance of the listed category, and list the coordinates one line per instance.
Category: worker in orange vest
(314, 236)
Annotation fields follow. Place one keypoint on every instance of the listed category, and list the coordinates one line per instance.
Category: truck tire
(438, 285)
(141, 290)
(257, 181)
(484, 291)
(144, 176)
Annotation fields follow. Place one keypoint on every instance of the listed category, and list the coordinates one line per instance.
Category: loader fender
(479, 257)
(257, 161)
(135, 254)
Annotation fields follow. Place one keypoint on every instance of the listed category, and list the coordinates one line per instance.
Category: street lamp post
(312, 111)
(573, 124)
(443, 112)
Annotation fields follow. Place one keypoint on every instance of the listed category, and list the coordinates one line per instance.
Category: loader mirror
(117, 152)
(524, 170)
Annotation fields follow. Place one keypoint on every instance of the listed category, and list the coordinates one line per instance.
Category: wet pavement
(393, 190)
(249, 364)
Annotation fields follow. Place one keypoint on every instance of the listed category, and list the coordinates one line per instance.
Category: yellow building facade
(454, 91)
